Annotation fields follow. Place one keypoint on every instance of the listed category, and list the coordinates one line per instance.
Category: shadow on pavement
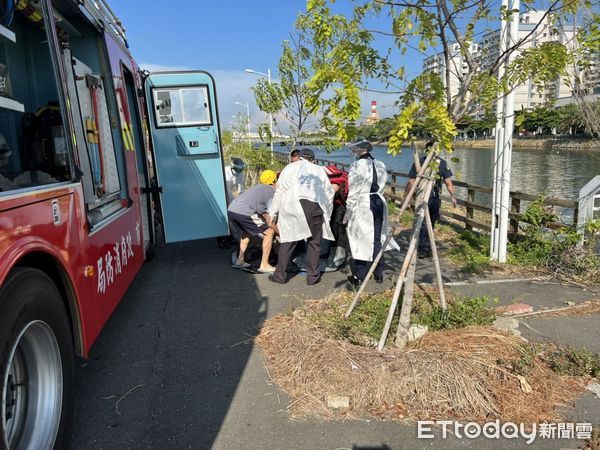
(167, 365)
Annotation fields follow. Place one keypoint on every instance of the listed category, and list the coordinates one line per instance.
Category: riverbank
(557, 143)
(532, 143)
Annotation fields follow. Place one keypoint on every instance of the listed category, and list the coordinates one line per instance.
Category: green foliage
(524, 364)
(289, 96)
(556, 250)
(536, 246)
(567, 361)
(347, 53)
(460, 313)
(342, 55)
(567, 119)
(592, 227)
(256, 159)
(368, 318)
(541, 65)
(269, 96)
(538, 214)
(470, 251)
(378, 131)
(574, 362)
(423, 107)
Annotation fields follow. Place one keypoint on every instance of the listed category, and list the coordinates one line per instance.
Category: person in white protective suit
(366, 214)
(234, 179)
(303, 203)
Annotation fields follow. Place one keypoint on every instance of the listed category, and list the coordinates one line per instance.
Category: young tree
(288, 97)
(347, 54)
(589, 37)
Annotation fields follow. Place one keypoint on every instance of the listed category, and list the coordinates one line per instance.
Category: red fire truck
(86, 171)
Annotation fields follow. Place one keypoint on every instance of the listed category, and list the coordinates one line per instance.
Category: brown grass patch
(445, 375)
(585, 309)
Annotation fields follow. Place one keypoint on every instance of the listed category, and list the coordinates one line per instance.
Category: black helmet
(238, 164)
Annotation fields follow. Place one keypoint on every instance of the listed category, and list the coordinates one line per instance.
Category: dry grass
(444, 375)
(585, 309)
(594, 442)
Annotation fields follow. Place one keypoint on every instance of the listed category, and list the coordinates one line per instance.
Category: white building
(486, 52)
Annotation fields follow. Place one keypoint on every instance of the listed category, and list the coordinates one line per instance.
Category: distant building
(486, 51)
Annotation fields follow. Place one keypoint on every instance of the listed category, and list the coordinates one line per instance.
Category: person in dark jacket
(444, 176)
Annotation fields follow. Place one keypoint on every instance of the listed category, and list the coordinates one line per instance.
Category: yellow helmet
(268, 177)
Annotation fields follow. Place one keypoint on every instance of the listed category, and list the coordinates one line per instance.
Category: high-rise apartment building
(487, 49)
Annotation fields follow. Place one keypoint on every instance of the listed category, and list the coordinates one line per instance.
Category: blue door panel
(188, 155)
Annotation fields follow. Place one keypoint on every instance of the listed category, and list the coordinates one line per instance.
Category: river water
(555, 173)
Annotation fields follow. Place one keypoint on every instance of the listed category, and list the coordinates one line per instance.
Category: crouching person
(249, 213)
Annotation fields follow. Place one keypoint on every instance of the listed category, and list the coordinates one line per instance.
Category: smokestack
(374, 116)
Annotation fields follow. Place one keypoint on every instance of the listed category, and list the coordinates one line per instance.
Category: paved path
(176, 367)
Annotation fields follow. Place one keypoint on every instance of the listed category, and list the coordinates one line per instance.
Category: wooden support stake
(434, 253)
(436, 260)
(409, 254)
(407, 301)
(391, 233)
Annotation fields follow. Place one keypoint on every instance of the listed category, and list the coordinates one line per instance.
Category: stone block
(338, 402)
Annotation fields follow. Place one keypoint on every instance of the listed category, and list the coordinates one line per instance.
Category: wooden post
(394, 186)
(436, 259)
(470, 199)
(515, 207)
(407, 301)
(414, 240)
(391, 233)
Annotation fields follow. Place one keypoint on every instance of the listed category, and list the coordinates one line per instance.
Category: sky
(223, 37)
(227, 36)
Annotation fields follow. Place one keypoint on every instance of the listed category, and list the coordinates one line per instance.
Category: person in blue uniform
(435, 202)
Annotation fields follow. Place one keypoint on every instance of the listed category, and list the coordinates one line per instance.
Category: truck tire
(36, 362)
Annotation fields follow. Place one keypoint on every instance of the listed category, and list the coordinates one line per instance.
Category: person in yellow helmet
(249, 213)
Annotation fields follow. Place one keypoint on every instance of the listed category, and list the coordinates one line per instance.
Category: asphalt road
(176, 368)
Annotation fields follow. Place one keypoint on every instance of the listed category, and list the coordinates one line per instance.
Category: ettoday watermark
(507, 430)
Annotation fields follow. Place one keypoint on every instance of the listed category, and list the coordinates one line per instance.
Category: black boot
(354, 281)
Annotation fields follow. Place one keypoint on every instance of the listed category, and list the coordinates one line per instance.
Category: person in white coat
(303, 203)
(366, 212)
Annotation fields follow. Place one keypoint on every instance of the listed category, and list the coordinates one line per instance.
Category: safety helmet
(5, 152)
(268, 177)
(361, 146)
(238, 164)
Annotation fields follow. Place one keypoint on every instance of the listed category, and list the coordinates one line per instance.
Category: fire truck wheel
(36, 362)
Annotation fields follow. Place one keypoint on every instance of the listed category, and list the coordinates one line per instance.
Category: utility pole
(504, 132)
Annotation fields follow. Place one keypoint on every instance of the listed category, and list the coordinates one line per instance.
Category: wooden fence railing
(468, 216)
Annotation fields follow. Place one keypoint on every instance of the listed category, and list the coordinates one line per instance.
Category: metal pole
(270, 114)
(504, 131)
(248, 115)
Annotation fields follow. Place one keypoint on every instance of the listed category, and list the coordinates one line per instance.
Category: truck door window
(33, 148)
(182, 107)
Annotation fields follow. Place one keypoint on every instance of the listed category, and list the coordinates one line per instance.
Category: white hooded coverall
(360, 218)
(301, 180)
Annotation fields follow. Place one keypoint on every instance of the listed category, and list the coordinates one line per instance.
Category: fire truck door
(184, 129)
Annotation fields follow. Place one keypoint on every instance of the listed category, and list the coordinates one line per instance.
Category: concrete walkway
(176, 366)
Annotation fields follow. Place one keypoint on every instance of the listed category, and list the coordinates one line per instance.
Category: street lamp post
(247, 105)
(268, 75)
